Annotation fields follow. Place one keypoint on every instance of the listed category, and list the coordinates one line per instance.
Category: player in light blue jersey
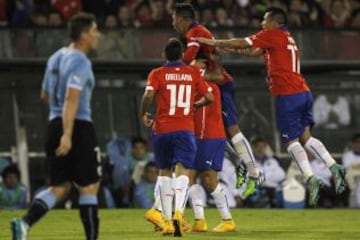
(71, 145)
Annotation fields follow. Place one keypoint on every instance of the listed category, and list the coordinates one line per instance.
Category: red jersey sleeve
(263, 39)
(152, 81)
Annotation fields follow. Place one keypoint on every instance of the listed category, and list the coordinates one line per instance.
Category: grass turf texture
(251, 224)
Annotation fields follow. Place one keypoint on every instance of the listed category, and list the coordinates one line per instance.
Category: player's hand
(65, 146)
(206, 41)
(147, 120)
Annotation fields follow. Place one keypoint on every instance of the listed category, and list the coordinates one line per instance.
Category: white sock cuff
(308, 143)
(217, 190)
(237, 137)
(293, 146)
(183, 179)
(164, 178)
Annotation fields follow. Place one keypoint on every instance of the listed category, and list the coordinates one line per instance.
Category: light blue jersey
(69, 68)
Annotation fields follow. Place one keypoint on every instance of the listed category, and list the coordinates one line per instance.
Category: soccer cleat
(240, 175)
(199, 225)
(185, 225)
(227, 225)
(313, 187)
(178, 224)
(338, 173)
(252, 184)
(154, 216)
(168, 228)
(18, 229)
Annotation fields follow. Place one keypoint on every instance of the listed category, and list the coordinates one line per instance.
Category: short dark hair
(11, 169)
(185, 10)
(136, 140)
(79, 23)
(277, 14)
(258, 139)
(173, 49)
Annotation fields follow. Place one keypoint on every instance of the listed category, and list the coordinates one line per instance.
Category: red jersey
(194, 50)
(282, 61)
(208, 120)
(175, 85)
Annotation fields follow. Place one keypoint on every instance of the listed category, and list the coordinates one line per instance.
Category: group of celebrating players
(195, 114)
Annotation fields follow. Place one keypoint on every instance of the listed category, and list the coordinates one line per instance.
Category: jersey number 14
(179, 98)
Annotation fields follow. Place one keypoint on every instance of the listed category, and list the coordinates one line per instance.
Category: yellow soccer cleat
(199, 225)
(186, 226)
(168, 228)
(154, 216)
(225, 226)
(178, 222)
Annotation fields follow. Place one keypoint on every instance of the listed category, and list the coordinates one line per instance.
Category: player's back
(208, 120)
(69, 67)
(175, 86)
(282, 58)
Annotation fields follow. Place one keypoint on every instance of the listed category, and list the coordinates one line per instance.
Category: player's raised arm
(224, 43)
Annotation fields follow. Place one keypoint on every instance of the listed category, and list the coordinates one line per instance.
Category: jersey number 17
(180, 97)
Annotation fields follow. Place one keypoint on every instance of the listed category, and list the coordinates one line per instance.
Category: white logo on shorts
(209, 162)
(285, 135)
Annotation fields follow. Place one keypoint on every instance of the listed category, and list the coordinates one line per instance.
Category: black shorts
(82, 165)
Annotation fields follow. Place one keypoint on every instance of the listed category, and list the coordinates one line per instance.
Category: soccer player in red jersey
(184, 24)
(174, 85)
(292, 95)
(211, 142)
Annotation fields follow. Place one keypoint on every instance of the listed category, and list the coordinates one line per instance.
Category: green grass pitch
(252, 224)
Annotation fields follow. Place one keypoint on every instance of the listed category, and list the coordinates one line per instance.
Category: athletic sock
(243, 148)
(221, 202)
(319, 150)
(181, 192)
(157, 203)
(298, 154)
(43, 202)
(166, 196)
(88, 205)
(196, 201)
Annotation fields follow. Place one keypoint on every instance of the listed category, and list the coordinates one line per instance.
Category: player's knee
(61, 191)
(210, 182)
(90, 189)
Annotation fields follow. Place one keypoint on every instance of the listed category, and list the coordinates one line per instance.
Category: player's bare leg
(317, 148)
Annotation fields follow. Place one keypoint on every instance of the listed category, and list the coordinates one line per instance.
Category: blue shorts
(228, 103)
(171, 148)
(210, 154)
(293, 114)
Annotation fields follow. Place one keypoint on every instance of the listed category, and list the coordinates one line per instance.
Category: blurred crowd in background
(157, 13)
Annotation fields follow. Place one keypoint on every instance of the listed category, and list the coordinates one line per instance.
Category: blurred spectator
(222, 19)
(331, 111)
(124, 17)
(3, 15)
(18, 12)
(354, 21)
(3, 164)
(265, 196)
(39, 19)
(67, 8)
(340, 12)
(144, 189)
(208, 18)
(12, 192)
(114, 43)
(102, 8)
(351, 161)
(126, 157)
(55, 19)
(301, 10)
(159, 14)
(143, 16)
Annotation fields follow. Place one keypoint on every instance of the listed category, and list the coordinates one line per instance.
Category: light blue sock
(48, 197)
(88, 200)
